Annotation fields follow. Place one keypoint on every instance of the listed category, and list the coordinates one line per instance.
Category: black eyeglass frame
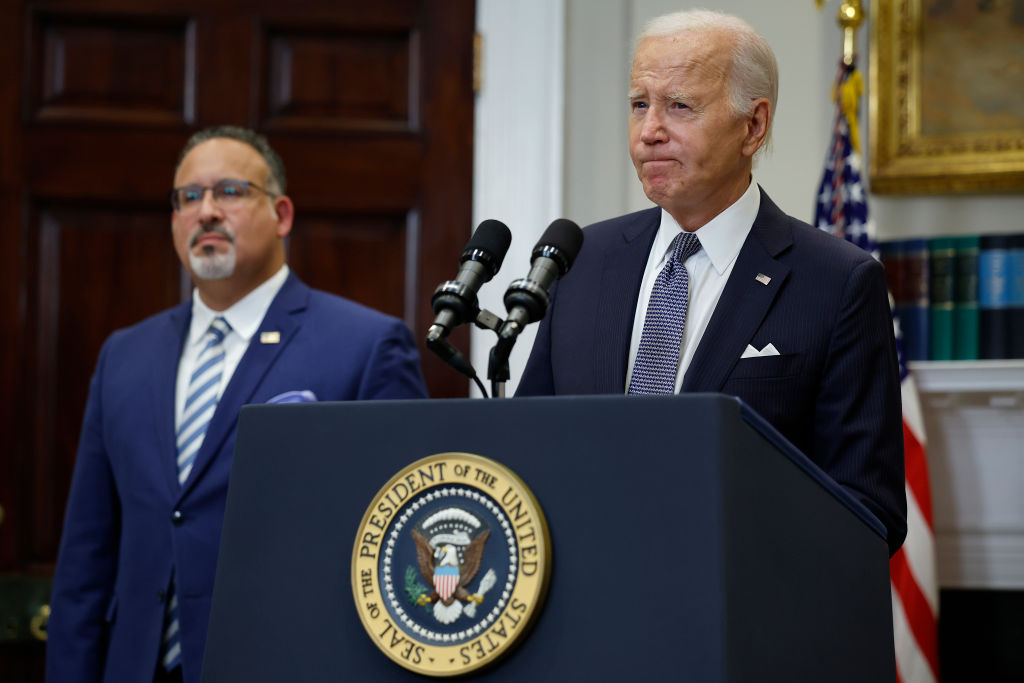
(220, 184)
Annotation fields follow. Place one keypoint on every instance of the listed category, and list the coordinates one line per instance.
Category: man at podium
(134, 577)
(716, 289)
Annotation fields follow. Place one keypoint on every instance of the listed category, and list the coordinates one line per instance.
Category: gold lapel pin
(763, 279)
(270, 337)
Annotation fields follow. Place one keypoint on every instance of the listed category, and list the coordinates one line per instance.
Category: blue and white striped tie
(202, 396)
(657, 358)
(200, 403)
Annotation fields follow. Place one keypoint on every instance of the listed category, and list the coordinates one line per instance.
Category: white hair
(753, 72)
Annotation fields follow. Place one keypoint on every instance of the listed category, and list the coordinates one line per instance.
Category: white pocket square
(298, 396)
(751, 352)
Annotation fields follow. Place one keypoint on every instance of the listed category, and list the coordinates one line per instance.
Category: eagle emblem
(449, 549)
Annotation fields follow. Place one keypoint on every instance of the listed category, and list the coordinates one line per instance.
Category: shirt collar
(722, 237)
(244, 316)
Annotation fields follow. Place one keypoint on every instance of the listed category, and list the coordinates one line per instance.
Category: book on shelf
(914, 307)
(1015, 303)
(994, 296)
(941, 297)
(965, 300)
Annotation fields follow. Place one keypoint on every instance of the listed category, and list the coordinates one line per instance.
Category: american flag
(842, 210)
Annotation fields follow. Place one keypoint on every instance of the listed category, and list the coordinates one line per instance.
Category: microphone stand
(497, 364)
(497, 369)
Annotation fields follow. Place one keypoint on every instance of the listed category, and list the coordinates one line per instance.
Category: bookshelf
(974, 420)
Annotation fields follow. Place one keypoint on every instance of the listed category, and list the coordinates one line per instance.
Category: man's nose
(209, 210)
(652, 129)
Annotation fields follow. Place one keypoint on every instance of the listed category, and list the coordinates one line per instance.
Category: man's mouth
(208, 237)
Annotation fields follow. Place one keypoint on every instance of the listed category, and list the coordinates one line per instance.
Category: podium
(690, 541)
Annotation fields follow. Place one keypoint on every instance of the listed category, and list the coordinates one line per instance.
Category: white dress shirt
(244, 317)
(721, 240)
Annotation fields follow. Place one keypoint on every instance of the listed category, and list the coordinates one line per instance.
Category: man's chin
(217, 267)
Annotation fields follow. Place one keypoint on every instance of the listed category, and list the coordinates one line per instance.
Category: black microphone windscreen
(563, 235)
(491, 237)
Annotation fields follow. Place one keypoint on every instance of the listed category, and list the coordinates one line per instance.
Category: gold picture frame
(946, 105)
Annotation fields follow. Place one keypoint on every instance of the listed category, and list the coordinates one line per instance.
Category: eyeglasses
(225, 192)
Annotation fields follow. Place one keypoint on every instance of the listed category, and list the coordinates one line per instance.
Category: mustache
(214, 228)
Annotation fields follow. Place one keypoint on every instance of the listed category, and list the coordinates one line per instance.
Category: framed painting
(946, 100)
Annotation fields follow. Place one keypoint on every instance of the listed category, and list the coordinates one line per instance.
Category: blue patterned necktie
(200, 403)
(657, 358)
(201, 397)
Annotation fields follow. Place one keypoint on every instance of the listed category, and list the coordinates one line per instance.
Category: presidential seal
(451, 563)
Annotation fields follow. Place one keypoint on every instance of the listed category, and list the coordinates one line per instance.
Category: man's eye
(639, 105)
(191, 195)
(231, 190)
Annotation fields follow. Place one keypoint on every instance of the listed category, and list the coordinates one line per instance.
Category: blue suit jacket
(835, 389)
(119, 543)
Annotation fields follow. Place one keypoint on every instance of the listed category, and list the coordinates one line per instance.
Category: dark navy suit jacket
(119, 542)
(834, 390)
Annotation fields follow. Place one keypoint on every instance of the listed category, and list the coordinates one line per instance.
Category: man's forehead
(221, 156)
(685, 54)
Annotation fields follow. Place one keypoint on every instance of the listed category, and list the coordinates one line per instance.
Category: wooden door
(370, 105)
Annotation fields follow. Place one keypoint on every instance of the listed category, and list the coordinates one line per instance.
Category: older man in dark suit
(718, 290)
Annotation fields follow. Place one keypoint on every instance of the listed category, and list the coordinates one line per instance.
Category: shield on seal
(446, 580)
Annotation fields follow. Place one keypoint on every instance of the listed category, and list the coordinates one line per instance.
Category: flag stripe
(919, 616)
(919, 549)
(911, 666)
(917, 474)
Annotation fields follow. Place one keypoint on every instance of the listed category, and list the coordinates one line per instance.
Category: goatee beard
(209, 264)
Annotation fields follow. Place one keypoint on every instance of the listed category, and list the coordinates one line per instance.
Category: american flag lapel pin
(763, 279)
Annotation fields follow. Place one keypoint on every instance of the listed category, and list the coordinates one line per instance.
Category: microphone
(454, 301)
(526, 299)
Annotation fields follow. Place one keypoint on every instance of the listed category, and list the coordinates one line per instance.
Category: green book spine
(941, 292)
(965, 305)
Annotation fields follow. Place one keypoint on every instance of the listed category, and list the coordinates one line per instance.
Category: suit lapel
(166, 352)
(617, 295)
(744, 302)
(282, 317)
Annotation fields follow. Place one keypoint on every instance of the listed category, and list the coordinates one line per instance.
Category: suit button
(159, 595)
(177, 517)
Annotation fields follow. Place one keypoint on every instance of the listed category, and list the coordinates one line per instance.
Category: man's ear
(285, 211)
(757, 126)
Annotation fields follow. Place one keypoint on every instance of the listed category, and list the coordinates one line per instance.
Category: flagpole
(850, 17)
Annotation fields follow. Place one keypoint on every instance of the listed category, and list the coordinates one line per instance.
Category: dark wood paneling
(333, 79)
(97, 270)
(123, 69)
(447, 166)
(364, 256)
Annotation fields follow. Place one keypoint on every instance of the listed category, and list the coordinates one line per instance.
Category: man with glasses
(134, 577)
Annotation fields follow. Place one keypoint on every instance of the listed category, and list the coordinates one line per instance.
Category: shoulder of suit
(630, 226)
(345, 310)
(156, 323)
(827, 243)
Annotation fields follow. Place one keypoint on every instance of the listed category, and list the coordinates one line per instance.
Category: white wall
(517, 166)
